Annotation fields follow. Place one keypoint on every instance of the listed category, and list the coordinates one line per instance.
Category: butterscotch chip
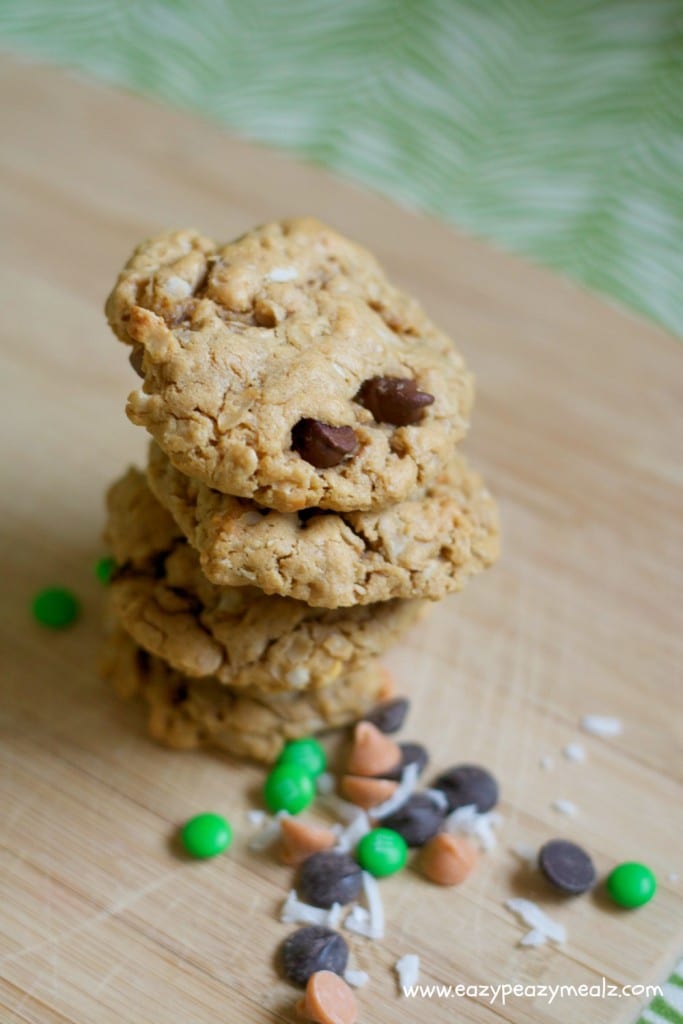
(447, 859)
(427, 545)
(185, 713)
(366, 792)
(328, 1000)
(237, 634)
(242, 342)
(372, 752)
(298, 841)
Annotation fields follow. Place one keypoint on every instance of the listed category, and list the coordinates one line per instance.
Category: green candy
(631, 884)
(104, 569)
(307, 754)
(382, 852)
(55, 607)
(288, 788)
(206, 835)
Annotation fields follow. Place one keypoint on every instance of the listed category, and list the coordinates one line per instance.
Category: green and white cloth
(554, 128)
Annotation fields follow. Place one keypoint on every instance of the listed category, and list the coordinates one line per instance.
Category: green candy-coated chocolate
(305, 753)
(382, 852)
(206, 835)
(104, 569)
(288, 788)
(631, 884)
(55, 607)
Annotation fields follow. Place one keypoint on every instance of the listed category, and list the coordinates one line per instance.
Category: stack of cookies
(304, 498)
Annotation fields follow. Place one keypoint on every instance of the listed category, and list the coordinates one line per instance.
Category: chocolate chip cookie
(237, 634)
(185, 713)
(285, 368)
(423, 547)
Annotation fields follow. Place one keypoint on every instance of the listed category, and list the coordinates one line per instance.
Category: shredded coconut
(370, 922)
(574, 752)
(533, 938)
(438, 797)
(325, 784)
(256, 817)
(341, 809)
(408, 970)
(268, 833)
(282, 274)
(400, 795)
(177, 288)
(353, 833)
(356, 978)
(546, 763)
(601, 725)
(525, 852)
(532, 915)
(467, 821)
(294, 911)
(565, 807)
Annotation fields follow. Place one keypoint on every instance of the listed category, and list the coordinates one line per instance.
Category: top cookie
(284, 367)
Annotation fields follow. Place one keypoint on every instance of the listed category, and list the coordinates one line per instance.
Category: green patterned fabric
(554, 127)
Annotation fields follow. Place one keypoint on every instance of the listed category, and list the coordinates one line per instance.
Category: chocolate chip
(388, 716)
(566, 866)
(411, 753)
(468, 784)
(322, 444)
(394, 400)
(327, 877)
(135, 358)
(417, 820)
(310, 949)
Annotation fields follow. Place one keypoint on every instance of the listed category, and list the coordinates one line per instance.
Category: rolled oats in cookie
(184, 713)
(237, 634)
(284, 367)
(425, 546)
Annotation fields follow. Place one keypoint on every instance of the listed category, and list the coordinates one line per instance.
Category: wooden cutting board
(577, 428)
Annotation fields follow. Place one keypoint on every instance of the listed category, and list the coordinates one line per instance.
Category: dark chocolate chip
(468, 784)
(566, 866)
(417, 820)
(135, 358)
(310, 949)
(411, 753)
(388, 716)
(394, 400)
(322, 444)
(328, 877)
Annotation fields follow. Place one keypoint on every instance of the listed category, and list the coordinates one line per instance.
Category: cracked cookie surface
(237, 634)
(424, 547)
(246, 348)
(184, 713)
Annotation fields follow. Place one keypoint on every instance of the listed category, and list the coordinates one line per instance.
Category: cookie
(285, 368)
(424, 547)
(185, 713)
(237, 634)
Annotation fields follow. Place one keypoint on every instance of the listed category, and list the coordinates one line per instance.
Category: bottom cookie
(186, 713)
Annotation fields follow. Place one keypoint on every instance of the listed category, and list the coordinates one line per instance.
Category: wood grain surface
(578, 429)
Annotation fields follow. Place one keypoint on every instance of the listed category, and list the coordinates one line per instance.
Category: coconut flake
(574, 752)
(177, 287)
(400, 794)
(342, 809)
(533, 938)
(565, 807)
(370, 922)
(467, 821)
(256, 817)
(546, 763)
(268, 833)
(294, 911)
(408, 970)
(353, 833)
(282, 274)
(325, 784)
(525, 852)
(356, 978)
(438, 797)
(601, 725)
(532, 915)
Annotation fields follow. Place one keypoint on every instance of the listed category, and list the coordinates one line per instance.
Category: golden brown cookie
(237, 634)
(424, 547)
(185, 713)
(284, 367)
